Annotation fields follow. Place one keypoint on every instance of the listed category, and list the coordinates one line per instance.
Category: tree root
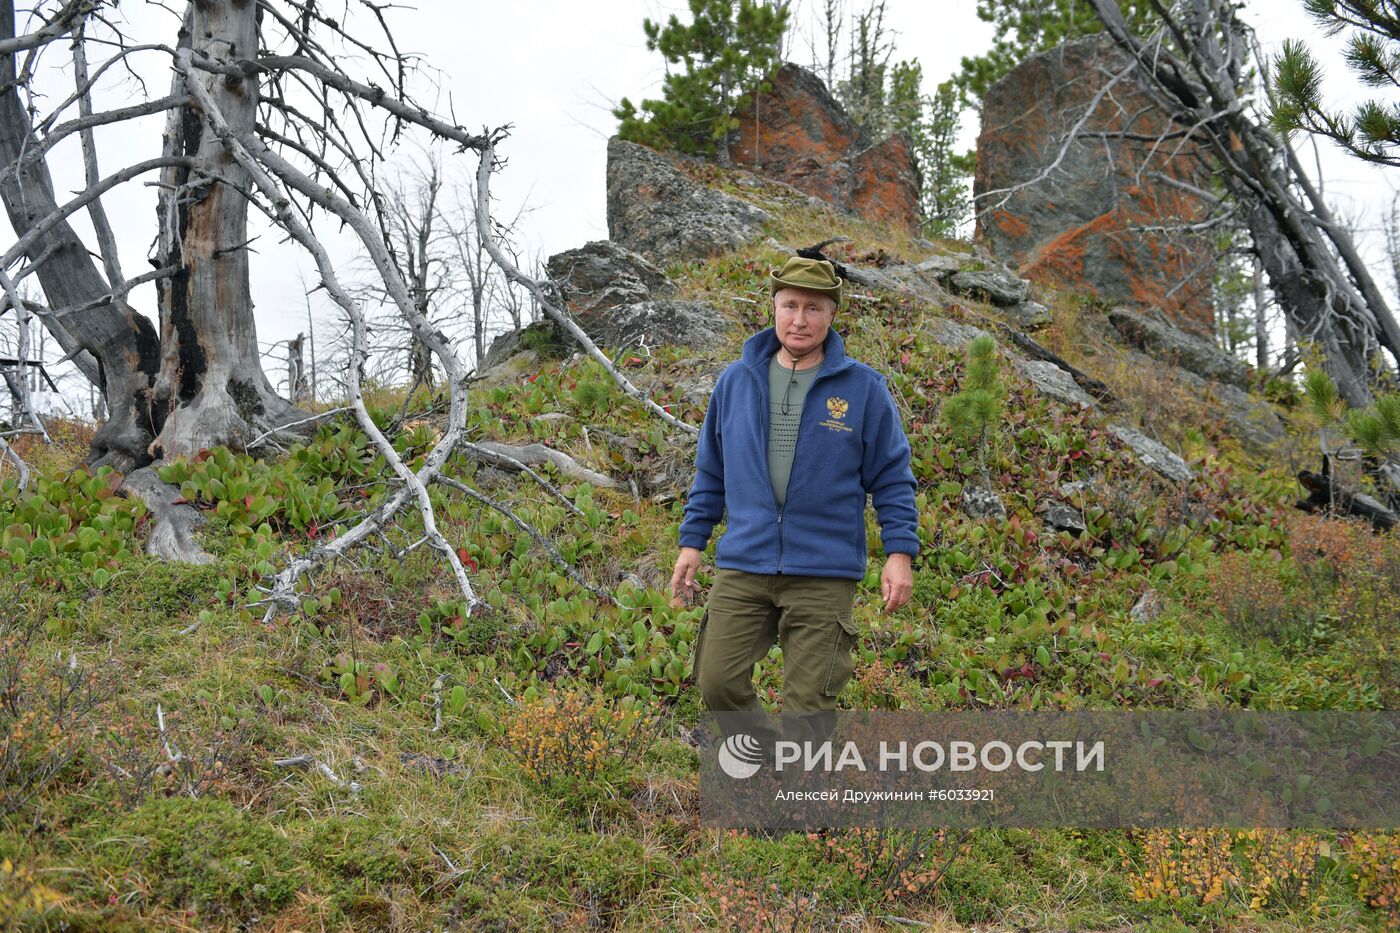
(172, 536)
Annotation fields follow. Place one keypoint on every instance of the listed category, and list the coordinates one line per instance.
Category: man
(796, 435)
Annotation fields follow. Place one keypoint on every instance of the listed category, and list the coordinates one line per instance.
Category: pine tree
(1372, 130)
(863, 92)
(1375, 428)
(973, 411)
(727, 52)
(1024, 27)
(885, 99)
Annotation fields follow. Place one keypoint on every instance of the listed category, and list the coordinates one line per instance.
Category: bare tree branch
(546, 293)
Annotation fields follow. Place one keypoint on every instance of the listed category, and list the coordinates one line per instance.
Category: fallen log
(1325, 494)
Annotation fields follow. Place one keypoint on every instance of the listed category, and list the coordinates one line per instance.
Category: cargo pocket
(839, 668)
(699, 643)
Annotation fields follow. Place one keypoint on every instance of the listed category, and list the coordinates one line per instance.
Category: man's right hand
(683, 585)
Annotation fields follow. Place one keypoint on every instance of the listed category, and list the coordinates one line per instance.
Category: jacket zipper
(767, 414)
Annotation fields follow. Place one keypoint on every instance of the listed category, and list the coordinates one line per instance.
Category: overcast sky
(552, 69)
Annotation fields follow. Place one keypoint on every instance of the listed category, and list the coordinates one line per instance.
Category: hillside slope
(382, 761)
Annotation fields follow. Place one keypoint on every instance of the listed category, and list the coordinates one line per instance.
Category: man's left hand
(897, 581)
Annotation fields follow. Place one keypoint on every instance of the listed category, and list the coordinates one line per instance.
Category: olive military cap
(814, 275)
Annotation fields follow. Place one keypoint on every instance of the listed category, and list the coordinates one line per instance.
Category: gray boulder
(1000, 288)
(1053, 381)
(1147, 608)
(656, 210)
(1063, 517)
(951, 334)
(1152, 454)
(940, 265)
(1254, 422)
(508, 344)
(1075, 487)
(506, 366)
(1165, 341)
(1029, 315)
(982, 503)
(602, 274)
(666, 321)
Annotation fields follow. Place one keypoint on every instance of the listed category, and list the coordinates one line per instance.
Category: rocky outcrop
(666, 321)
(999, 288)
(622, 300)
(797, 132)
(1075, 223)
(602, 274)
(1255, 423)
(1153, 454)
(1049, 379)
(656, 210)
(659, 322)
(1163, 341)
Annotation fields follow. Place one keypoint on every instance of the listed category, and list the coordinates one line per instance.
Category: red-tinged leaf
(201, 455)
(1156, 681)
(1103, 656)
(532, 378)
(114, 482)
(313, 531)
(248, 501)
(467, 560)
(180, 501)
(634, 361)
(904, 358)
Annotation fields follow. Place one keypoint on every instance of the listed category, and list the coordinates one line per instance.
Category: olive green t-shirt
(786, 389)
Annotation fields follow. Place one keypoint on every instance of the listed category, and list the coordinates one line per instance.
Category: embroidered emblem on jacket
(836, 407)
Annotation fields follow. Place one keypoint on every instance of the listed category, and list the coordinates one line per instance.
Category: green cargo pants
(810, 617)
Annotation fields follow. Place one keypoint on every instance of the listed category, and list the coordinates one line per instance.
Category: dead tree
(415, 243)
(433, 238)
(1195, 66)
(298, 386)
(287, 133)
(246, 127)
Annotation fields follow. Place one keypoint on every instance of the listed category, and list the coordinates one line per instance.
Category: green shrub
(205, 855)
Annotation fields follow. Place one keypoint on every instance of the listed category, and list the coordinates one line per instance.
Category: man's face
(802, 318)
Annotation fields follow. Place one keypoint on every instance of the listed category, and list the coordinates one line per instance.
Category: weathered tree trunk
(297, 386)
(211, 389)
(1303, 297)
(123, 341)
(421, 358)
(1199, 86)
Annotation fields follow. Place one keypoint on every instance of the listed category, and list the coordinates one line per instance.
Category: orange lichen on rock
(798, 133)
(1085, 205)
(1009, 224)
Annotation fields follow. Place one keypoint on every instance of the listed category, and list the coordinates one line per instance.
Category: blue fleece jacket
(850, 443)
